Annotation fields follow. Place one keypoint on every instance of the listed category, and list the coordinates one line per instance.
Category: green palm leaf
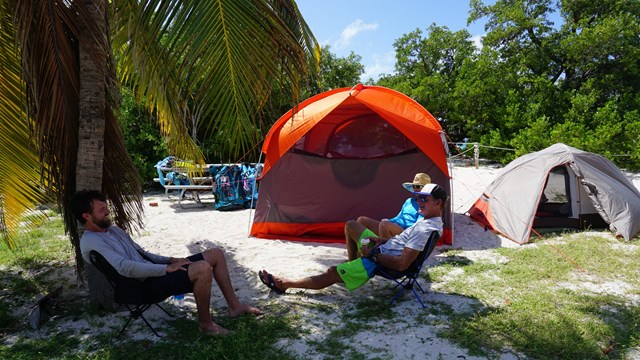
(192, 62)
(19, 166)
(212, 60)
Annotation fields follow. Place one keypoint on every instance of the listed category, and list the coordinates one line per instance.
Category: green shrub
(142, 137)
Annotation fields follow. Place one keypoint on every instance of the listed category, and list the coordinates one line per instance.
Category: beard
(104, 223)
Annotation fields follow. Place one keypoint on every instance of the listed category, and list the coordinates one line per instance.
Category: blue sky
(369, 27)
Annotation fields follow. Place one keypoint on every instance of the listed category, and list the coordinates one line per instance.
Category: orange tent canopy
(342, 154)
(405, 114)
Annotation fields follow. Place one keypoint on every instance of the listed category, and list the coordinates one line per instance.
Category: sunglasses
(423, 198)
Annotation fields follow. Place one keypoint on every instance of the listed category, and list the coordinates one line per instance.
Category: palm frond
(19, 188)
(46, 36)
(120, 182)
(213, 59)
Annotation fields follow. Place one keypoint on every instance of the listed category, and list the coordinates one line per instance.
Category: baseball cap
(434, 190)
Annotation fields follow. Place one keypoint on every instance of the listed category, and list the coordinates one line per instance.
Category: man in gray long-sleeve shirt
(169, 275)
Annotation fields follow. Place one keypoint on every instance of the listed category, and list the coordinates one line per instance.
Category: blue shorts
(174, 283)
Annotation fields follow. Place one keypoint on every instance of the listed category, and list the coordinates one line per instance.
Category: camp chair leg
(149, 325)
(125, 326)
(397, 296)
(137, 313)
(409, 285)
(165, 311)
(418, 297)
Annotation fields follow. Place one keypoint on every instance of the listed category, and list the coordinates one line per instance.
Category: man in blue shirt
(407, 216)
(396, 253)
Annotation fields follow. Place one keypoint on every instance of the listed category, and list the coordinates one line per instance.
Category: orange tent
(342, 154)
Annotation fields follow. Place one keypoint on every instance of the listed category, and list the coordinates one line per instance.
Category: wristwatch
(374, 258)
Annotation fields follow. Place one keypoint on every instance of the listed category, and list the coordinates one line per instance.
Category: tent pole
(443, 136)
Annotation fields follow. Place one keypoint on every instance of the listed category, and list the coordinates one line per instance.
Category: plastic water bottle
(179, 299)
(367, 242)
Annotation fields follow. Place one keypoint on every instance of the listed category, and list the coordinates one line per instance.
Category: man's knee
(213, 255)
(385, 224)
(333, 273)
(200, 269)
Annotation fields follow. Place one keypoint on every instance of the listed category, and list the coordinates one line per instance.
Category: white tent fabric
(509, 203)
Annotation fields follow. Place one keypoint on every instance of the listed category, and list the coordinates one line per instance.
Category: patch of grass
(355, 318)
(25, 271)
(39, 247)
(252, 338)
(6, 319)
(560, 297)
(541, 300)
(43, 348)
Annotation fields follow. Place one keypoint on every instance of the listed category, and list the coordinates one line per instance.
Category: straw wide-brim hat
(420, 179)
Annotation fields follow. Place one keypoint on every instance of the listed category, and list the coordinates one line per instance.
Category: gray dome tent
(559, 186)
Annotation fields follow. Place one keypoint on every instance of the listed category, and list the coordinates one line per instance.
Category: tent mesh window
(555, 200)
(363, 137)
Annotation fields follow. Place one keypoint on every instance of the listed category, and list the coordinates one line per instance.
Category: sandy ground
(176, 231)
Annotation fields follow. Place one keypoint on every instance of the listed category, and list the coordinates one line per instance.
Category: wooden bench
(194, 191)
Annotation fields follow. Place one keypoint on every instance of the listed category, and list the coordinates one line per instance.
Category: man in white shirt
(396, 253)
(171, 276)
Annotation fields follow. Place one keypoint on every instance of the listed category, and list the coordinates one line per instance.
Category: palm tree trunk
(92, 121)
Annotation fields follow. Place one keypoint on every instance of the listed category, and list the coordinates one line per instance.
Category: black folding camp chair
(409, 278)
(137, 296)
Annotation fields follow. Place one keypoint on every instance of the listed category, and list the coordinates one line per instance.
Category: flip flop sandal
(269, 282)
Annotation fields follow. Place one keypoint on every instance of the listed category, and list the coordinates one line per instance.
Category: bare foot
(214, 330)
(244, 309)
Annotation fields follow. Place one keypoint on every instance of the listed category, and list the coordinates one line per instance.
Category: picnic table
(188, 183)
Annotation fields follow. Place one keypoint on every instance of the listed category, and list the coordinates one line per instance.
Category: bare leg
(388, 229)
(352, 232)
(200, 275)
(215, 257)
(369, 223)
(316, 282)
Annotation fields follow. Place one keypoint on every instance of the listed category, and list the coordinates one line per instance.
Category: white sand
(174, 231)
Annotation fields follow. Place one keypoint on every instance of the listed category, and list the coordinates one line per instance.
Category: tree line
(545, 72)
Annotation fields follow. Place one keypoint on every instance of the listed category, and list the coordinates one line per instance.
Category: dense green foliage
(143, 140)
(336, 72)
(548, 71)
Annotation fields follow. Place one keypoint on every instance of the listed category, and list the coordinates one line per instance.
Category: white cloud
(382, 64)
(477, 41)
(352, 30)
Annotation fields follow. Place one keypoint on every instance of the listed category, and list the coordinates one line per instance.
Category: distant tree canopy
(548, 71)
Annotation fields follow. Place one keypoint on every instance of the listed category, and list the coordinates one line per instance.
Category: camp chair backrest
(128, 291)
(416, 265)
(228, 191)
